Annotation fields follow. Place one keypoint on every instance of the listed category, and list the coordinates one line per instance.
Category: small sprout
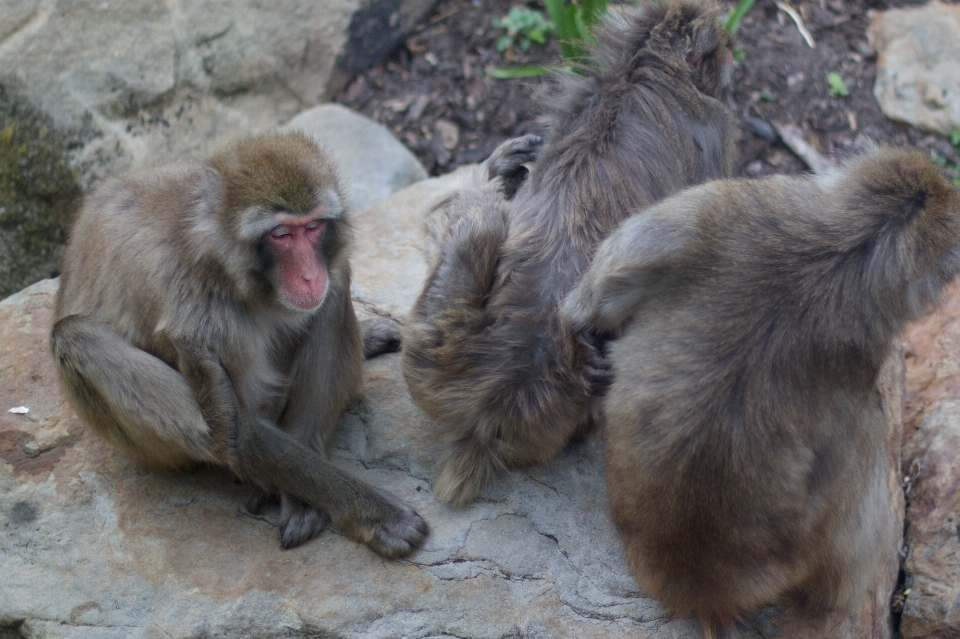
(838, 88)
(738, 55)
(767, 96)
(955, 137)
(524, 27)
(906, 592)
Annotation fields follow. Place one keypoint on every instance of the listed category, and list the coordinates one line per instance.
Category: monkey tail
(714, 627)
(469, 466)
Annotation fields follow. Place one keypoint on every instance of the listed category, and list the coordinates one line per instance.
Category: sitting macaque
(204, 315)
(485, 353)
(745, 440)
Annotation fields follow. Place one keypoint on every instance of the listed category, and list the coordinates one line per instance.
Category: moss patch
(39, 194)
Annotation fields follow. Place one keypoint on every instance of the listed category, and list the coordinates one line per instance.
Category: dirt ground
(434, 92)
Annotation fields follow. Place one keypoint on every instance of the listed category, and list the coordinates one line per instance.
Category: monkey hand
(507, 160)
(385, 525)
(596, 372)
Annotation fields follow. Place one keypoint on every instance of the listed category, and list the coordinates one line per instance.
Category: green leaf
(509, 73)
(737, 15)
(955, 137)
(838, 88)
(738, 55)
(504, 42)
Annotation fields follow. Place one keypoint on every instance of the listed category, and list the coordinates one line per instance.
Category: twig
(793, 138)
(797, 20)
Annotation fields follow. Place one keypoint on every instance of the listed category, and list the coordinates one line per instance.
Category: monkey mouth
(308, 296)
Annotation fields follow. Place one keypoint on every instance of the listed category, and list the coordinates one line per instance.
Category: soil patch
(435, 95)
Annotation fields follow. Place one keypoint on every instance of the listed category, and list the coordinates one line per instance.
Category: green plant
(524, 27)
(952, 169)
(737, 15)
(955, 137)
(838, 88)
(572, 22)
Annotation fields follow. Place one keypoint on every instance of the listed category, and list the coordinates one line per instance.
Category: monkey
(745, 439)
(485, 355)
(204, 316)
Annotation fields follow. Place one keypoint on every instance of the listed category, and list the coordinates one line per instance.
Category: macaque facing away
(745, 439)
(485, 353)
(204, 315)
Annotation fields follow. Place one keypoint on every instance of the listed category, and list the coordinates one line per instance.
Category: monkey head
(686, 37)
(277, 198)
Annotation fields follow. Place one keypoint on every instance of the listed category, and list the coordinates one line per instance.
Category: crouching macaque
(204, 315)
(745, 446)
(485, 353)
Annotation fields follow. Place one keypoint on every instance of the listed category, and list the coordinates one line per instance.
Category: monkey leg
(130, 397)
(259, 451)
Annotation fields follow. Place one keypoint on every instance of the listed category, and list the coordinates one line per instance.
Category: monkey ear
(636, 263)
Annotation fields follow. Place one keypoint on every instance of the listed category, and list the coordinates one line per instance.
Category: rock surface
(372, 162)
(38, 195)
(114, 85)
(95, 545)
(918, 49)
(932, 465)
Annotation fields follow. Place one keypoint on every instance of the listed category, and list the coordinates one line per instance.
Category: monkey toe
(400, 535)
(299, 522)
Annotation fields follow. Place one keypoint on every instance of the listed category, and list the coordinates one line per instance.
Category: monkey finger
(299, 522)
(598, 380)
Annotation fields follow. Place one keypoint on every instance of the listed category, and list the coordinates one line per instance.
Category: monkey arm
(260, 451)
(635, 263)
(130, 397)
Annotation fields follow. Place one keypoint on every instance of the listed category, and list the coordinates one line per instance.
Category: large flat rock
(95, 545)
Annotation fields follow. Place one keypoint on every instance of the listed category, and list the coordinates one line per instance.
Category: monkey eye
(280, 231)
(314, 224)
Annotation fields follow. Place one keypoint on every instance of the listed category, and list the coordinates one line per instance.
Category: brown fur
(173, 341)
(485, 353)
(745, 447)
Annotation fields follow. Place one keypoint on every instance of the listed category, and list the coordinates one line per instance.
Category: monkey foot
(507, 160)
(299, 522)
(380, 335)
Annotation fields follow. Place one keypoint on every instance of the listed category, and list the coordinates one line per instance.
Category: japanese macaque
(745, 439)
(485, 353)
(204, 315)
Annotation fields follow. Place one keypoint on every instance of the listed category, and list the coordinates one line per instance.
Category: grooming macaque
(204, 315)
(485, 353)
(745, 439)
